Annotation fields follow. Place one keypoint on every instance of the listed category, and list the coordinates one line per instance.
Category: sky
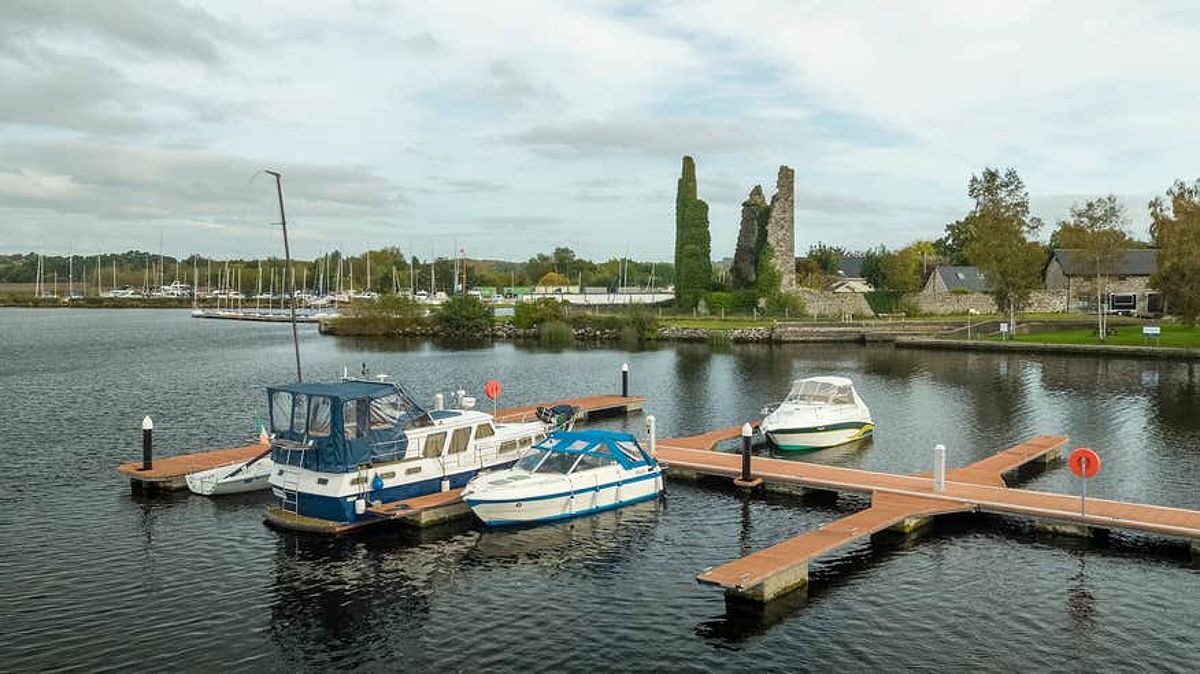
(512, 128)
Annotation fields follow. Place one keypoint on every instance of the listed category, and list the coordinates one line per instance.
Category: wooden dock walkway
(906, 502)
(422, 511)
(168, 472)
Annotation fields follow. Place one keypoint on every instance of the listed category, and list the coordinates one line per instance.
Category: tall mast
(287, 255)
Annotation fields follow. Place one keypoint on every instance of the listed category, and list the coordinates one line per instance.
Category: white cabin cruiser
(819, 412)
(338, 447)
(570, 473)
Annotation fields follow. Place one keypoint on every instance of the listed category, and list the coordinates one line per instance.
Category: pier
(905, 503)
(168, 473)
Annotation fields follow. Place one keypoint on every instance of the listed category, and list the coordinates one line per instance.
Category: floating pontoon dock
(168, 473)
(904, 503)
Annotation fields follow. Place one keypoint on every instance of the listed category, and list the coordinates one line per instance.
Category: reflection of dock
(905, 503)
(168, 473)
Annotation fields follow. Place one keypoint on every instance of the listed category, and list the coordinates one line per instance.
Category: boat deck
(906, 502)
(169, 472)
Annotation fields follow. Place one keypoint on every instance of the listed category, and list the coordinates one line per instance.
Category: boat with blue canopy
(339, 447)
(570, 473)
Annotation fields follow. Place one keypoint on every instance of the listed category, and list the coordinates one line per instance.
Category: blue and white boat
(570, 473)
(338, 447)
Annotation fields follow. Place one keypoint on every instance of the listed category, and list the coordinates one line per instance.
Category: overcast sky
(519, 126)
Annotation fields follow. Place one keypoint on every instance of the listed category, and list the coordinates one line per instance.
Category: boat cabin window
(386, 411)
(281, 411)
(558, 463)
(300, 413)
(484, 431)
(593, 461)
(630, 450)
(433, 445)
(354, 418)
(821, 393)
(319, 410)
(460, 440)
(531, 460)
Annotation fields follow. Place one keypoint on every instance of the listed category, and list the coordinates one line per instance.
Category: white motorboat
(570, 473)
(819, 412)
(234, 478)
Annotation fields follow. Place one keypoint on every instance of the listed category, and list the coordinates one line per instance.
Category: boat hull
(216, 481)
(567, 503)
(818, 437)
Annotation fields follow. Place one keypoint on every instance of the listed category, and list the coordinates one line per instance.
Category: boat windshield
(821, 393)
(543, 462)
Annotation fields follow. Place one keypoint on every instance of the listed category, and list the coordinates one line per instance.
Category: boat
(341, 447)
(819, 412)
(235, 478)
(569, 474)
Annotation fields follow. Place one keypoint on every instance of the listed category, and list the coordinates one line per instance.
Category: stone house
(956, 279)
(1126, 284)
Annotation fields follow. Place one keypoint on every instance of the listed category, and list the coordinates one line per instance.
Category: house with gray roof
(956, 279)
(1125, 286)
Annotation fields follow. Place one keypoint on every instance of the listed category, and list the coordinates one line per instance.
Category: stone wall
(935, 303)
(781, 228)
(824, 304)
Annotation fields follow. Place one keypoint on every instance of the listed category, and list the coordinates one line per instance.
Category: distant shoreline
(1157, 352)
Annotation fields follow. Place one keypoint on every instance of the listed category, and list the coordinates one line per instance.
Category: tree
(693, 243)
(1175, 228)
(997, 234)
(1097, 231)
(828, 258)
(997, 195)
(553, 279)
(465, 316)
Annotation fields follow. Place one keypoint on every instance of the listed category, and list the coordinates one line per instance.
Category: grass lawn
(1127, 335)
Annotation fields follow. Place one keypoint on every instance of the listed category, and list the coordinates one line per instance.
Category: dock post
(939, 467)
(624, 380)
(652, 431)
(439, 401)
(745, 480)
(147, 443)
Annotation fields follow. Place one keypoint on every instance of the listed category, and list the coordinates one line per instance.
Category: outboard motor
(560, 416)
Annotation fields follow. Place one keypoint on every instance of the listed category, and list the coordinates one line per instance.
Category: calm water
(96, 579)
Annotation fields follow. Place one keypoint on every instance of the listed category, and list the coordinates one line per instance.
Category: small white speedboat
(234, 478)
(570, 473)
(819, 412)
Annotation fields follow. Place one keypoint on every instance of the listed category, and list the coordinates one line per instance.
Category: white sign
(1151, 331)
(1004, 327)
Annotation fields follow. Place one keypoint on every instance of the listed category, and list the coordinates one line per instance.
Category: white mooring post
(652, 431)
(939, 467)
(439, 401)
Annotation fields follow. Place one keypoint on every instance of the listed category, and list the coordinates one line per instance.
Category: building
(956, 279)
(1126, 286)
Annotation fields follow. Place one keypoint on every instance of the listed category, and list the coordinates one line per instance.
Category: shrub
(642, 320)
(785, 304)
(532, 314)
(465, 316)
(718, 300)
(555, 333)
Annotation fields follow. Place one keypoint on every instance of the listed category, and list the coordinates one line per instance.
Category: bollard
(624, 380)
(746, 433)
(652, 431)
(939, 467)
(439, 401)
(147, 444)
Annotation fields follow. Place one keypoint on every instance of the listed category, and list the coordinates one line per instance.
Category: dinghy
(235, 478)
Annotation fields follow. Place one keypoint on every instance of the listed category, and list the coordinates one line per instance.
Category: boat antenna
(287, 256)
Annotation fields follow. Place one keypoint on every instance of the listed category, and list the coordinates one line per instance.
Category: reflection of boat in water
(338, 446)
(818, 412)
(569, 474)
(571, 541)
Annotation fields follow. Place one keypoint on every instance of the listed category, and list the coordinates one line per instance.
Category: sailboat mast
(287, 255)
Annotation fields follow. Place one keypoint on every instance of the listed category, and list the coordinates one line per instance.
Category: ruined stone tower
(781, 228)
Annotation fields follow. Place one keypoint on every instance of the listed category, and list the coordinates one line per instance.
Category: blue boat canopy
(337, 427)
(620, 447)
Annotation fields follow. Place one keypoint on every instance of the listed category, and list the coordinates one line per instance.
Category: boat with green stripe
(818, 412)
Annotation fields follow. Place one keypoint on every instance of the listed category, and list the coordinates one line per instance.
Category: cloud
(670, 137)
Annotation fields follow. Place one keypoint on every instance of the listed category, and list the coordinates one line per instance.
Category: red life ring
(1084, 462)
